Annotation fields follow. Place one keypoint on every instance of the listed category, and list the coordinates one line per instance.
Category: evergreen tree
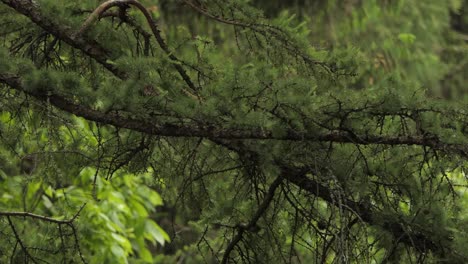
(206, 131)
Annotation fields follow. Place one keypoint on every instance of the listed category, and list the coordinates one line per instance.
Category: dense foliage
(205, 131)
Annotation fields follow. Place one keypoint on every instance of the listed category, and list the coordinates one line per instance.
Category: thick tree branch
(215, 131)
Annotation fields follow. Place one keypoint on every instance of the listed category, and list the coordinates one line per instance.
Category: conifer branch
(414, 144)
(97, 13)
(215, 131)
(129, 21)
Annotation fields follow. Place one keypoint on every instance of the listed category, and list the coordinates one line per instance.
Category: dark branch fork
(68, 222)
(419, 241)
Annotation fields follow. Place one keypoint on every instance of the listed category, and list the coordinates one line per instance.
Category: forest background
(207, 131)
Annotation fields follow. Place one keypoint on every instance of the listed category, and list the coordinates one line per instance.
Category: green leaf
(123, 242)
(118, 252)
(49, 191)
(155, 232)
(145, 255)
(47, 203)
(155, 198)
(138, 208)
(407, 38)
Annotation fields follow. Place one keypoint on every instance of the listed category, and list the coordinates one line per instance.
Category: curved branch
(152, 24)
(93, 49)
(97, 13)
(132, 23)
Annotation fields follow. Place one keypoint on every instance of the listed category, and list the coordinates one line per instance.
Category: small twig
(62, 243)
(23, 247)
(217, 18)
(48, 49)
(264, 30)
(253, 222)
(77, 243)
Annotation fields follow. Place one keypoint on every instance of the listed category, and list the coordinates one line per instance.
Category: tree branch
(130, 22)
(215, 131)
(30, 9)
